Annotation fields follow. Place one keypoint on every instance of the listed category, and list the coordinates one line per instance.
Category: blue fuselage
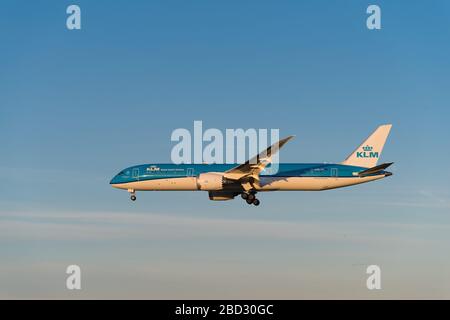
(169, 171)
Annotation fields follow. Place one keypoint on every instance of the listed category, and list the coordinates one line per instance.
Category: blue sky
(78, 106)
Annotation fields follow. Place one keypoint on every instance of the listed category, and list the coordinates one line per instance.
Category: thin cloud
(87, 226)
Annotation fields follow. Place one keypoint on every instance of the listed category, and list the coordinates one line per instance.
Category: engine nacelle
(221, 195)
(210, 181)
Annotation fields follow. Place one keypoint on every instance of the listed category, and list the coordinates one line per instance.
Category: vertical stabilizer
(368, 153)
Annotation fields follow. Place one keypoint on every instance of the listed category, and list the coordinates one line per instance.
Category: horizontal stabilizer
(375, 169)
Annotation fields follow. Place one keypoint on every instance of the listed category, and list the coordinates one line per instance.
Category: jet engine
(210, 181)
(221, 195)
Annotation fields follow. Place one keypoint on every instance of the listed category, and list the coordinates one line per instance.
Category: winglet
(278, 145)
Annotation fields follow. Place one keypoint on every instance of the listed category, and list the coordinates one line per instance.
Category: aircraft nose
(114, 180)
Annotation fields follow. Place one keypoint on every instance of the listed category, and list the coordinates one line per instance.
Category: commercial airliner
(226, 181)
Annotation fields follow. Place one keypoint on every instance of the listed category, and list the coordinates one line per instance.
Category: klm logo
(367, 153)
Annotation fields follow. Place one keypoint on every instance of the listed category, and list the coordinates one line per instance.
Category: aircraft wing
(248, 172)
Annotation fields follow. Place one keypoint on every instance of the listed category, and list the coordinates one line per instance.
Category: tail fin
(368, 153)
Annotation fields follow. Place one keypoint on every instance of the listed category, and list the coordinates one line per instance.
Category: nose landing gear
(250, 198)
(133, 194)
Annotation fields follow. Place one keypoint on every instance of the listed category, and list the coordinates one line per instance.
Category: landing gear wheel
(251, 197)
(133, 197)
(249, 201)
(256, 202)
(244, 196)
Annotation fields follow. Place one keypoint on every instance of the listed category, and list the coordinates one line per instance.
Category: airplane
(226, 181)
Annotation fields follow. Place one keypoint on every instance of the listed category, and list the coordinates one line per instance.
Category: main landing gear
(133, 194)
(250, 198)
